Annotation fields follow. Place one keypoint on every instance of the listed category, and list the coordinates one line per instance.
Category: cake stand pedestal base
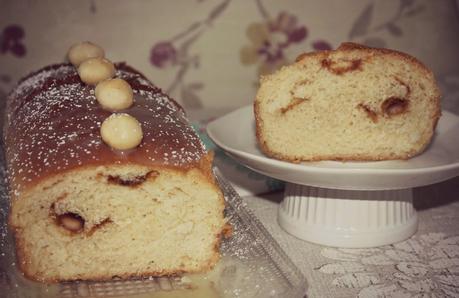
(348, 218)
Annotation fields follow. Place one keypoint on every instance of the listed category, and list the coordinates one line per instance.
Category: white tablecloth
(426, 265)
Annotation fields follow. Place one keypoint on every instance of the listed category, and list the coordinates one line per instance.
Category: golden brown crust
(259, 131)
(227, 231)
(355, 157)
(350, 46)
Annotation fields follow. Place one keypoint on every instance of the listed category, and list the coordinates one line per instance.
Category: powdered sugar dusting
(54, 125)
(36, 80)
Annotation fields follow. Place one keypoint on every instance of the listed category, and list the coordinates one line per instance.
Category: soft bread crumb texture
(136, 221)
(354, 103)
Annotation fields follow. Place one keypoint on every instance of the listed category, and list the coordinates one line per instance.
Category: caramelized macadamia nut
(83, 51)
(114, 94)
(71, 221)
(121, 131)
(95, 70)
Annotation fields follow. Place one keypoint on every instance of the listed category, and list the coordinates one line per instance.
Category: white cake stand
(351, 204)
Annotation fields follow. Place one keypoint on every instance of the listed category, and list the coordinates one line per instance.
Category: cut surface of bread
(118, 221)
(353, 103)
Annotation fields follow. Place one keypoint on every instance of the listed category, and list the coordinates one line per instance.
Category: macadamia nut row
(120, 130)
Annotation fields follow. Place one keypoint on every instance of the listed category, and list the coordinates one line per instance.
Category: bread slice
(353, 103)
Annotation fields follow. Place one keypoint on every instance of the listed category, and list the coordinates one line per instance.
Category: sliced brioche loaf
(353, 103)
(81, 209)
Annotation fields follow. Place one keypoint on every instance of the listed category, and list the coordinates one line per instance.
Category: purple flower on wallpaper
(4, 78)
(321, 45)
(163, 54)
(11, 40)
(270, 40)
(287, 24)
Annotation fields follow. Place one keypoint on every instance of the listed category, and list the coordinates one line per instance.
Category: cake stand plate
(345, 204)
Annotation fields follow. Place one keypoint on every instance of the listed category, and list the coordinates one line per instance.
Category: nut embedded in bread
(353, 103)
(83, 210)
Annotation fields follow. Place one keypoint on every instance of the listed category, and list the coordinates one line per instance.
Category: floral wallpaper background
(210, 53)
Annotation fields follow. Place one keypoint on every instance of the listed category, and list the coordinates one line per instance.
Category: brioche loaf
(83, 210)
(353, 103)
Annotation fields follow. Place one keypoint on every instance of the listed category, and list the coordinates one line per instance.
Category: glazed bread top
(53, 125)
